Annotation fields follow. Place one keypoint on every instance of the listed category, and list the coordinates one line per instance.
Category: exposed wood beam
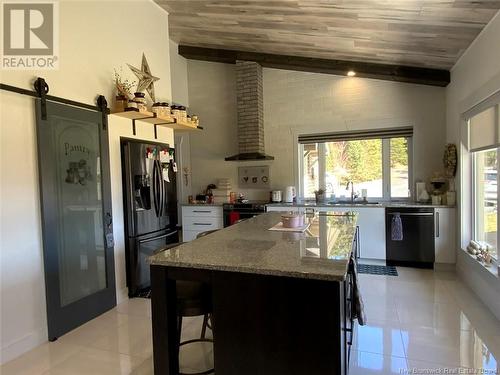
(398, 73)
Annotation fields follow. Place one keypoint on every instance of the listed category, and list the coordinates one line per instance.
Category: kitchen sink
(349, 203)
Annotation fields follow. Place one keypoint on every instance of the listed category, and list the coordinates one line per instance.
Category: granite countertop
(322, 252)
(357, 205)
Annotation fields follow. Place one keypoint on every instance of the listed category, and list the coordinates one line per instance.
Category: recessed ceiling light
(351, 73)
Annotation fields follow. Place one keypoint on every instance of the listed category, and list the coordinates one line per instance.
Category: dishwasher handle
(437, 225)
(411, 213)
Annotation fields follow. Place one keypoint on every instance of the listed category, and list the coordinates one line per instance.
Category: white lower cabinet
(189, 235)
(445, 234)
(199, 219)
(371, 222)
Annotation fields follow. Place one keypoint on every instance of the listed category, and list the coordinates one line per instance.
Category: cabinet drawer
(189, 235)
(202, 223)
(211, 211)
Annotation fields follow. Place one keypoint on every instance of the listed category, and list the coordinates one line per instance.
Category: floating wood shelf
(134, 114)
(151, 118)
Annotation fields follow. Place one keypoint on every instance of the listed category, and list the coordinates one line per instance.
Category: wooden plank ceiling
(419, 33)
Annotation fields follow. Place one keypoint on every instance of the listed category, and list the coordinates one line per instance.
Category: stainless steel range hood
(250, 106)
(249, 156)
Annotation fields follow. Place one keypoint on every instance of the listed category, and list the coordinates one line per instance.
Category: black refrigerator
(150, 205)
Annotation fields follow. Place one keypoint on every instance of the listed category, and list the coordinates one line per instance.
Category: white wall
(22, 288)
(298, 102)
(212, 95)
(93, 41)
(179, 76)
(474, 78)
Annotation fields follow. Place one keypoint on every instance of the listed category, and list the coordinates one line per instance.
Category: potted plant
(123, 88)
(320, 195)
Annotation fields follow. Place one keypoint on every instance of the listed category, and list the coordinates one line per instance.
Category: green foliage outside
(399, 152)
(361, 161)
(490, 162)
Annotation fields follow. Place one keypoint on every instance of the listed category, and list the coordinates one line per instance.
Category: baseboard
(121, 295)
(23, 345)
(404, 263)
(448, 267)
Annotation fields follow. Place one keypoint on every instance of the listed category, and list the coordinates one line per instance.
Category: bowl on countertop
(292, 220)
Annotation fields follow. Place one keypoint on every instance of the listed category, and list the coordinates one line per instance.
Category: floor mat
(145, 293)
(377, 270)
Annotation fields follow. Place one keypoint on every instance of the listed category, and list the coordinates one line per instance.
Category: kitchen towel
(396, 227)
(358, 310)
(233, 217)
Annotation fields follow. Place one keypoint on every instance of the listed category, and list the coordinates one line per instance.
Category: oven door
(249, 214)
(231, 216)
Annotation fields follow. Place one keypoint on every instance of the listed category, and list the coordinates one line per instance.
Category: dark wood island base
(266, 325)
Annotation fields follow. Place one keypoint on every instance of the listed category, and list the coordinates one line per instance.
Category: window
(310, 166)
(484, 143)
(486, 198)
(378, 163)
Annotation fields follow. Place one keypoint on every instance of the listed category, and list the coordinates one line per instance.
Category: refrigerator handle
(163, 192)
(437, 225)
(155, 238)
(130, 188)
(155, 188)
(161, 186)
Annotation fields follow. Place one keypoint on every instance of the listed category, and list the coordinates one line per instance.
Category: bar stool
(194, 299)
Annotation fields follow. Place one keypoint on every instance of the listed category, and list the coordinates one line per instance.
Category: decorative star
(146, 79)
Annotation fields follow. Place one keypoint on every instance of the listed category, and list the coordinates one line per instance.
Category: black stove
(234, 212)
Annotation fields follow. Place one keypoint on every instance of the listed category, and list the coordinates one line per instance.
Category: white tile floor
(419, 320)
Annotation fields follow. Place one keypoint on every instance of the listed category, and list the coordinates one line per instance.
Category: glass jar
(156, 108)
(175, 112)
(194, 119)
(140, 99)
(183, 113)
(165, 109)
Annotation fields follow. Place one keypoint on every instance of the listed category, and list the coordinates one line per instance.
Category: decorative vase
(139, 98)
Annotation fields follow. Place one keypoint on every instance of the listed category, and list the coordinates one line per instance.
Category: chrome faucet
(353, 195)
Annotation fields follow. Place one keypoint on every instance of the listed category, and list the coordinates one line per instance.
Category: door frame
(62, 319)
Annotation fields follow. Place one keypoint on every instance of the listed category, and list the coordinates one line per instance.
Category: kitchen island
(281, 300)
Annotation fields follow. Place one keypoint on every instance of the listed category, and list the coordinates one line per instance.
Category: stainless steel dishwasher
(416, 249)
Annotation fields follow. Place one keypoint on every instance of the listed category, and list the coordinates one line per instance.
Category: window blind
(483, 130)
(356, 135)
